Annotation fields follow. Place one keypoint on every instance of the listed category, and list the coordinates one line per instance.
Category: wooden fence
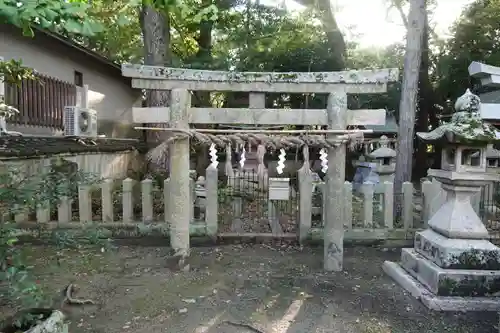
(40, 102)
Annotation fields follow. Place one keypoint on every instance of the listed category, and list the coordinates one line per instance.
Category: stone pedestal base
(450, 274)
(456, 253)
(450, 282)
(452, 266)
(438, 303)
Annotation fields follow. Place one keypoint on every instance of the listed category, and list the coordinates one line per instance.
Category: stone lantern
(384, 159)
(365, 173)
(453, 266)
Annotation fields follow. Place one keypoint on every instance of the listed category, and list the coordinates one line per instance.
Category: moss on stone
(470, 127)
(476, 259)
(472, 286)
(252, 76)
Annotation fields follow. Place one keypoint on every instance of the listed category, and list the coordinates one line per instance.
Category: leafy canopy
(67, 16)
(476, 37)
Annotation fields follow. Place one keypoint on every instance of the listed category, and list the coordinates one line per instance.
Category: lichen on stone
(346, 77)
(466, 125)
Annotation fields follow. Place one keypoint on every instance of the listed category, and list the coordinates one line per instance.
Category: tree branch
(398, 4)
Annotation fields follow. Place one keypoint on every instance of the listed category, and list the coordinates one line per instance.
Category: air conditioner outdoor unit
(80, 121)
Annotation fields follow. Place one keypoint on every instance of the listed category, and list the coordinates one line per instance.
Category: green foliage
(389, 57)
(256, 38)
(19, 192)
(121, 39)
(45, 188)
(64, 16)
(94, 235)
(276, 41)
(193, 11)
(476, 37)
(67, 16)
(13, 72)
(373, 58)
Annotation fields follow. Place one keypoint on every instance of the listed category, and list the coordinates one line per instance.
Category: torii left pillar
(335, 213)
(179, 198)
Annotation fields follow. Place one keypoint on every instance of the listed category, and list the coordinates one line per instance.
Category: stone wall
(106, 165)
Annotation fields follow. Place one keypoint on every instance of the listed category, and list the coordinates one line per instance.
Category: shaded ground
(276, 290)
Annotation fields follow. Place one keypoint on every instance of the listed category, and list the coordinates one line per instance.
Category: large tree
(407, 108)
(334, 35)
(427, 109)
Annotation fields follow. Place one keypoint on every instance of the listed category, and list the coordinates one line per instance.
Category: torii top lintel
(352, 81)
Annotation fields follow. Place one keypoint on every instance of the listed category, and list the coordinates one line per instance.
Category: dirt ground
(272, 289)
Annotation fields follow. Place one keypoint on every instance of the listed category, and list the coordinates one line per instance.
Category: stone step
(477, 254)
(450, 282)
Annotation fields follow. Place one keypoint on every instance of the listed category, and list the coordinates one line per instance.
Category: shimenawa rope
(271, 142)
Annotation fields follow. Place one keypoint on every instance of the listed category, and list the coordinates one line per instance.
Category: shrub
(19, 191)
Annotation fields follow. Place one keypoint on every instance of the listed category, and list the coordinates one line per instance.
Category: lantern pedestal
(457, 218)
(452, 265)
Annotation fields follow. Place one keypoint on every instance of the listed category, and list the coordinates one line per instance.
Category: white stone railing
(366, 217)
(367, 214)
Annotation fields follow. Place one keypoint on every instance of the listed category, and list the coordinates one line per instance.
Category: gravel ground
(240, 289)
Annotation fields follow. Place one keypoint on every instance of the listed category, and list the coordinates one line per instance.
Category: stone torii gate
(336, 116)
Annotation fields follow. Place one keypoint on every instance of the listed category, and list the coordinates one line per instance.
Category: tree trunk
(332, 31)
(333, 34)
(408, 101)
(203, 56)
(156, 36)
(425, 105)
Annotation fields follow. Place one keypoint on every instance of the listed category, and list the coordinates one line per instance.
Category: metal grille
(489, 207)
(244, 205)
(69, 120)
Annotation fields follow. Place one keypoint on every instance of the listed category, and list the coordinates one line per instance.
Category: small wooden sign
(279, 188)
